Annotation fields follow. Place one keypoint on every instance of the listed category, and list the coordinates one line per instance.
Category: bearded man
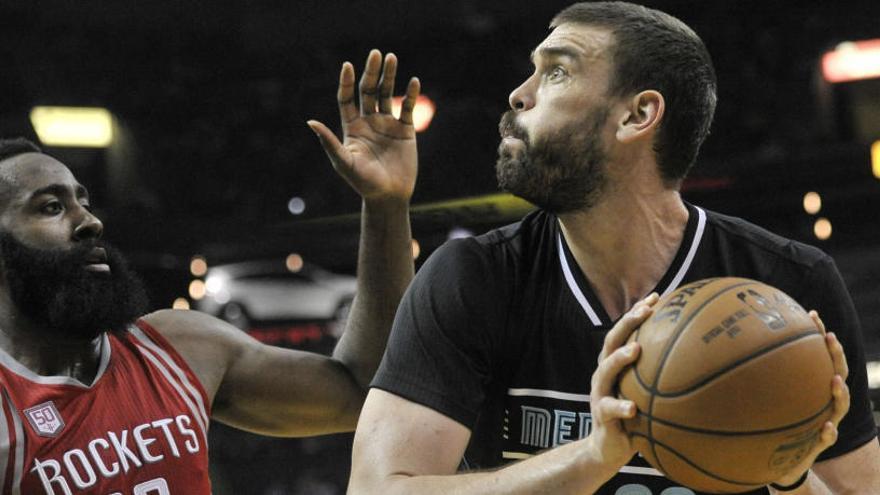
(99, 399)
(491, 367)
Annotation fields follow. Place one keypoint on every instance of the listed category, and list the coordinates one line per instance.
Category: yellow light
(86, 127)
(822, 229)
(294, 262)
(875, 159)
(416, 249)
(423, 112)
(180, 303)
(852, 61)
(198, 266)
(812, 202)
(196, 289)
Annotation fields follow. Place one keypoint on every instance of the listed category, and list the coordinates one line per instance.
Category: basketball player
(96, 400)
(493, 347)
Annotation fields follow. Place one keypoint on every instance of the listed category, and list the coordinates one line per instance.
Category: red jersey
(139, 429)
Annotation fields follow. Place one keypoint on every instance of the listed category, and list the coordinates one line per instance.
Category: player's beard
(53, 289)
(562, 172)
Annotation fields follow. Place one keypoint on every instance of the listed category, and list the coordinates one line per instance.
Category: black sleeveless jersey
(501, 332)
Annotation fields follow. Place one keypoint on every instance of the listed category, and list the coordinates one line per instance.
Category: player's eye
(556, 73)
(53, 207)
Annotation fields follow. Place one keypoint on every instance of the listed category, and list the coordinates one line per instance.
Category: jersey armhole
(166, 346)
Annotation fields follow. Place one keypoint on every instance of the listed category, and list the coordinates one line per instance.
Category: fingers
(827, 436)
(334, 149)
(621, 331)
(409, 102)
(609, 368)
(610, 409)
(386, 83)
(818, 321)
(841, 397)
(838, 358)
(345, 95)
(369, 82)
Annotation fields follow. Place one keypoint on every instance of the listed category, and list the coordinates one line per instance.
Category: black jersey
(501, 333)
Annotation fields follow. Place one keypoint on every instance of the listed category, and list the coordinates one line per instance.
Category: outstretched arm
(378, 158)
(284, 392)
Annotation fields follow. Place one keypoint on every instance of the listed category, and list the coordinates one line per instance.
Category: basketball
(732, 386)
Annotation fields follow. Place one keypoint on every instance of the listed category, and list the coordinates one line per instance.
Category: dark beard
(53, 289)
(563, 172)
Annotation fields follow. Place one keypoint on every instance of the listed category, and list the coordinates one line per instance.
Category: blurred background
(192, 141)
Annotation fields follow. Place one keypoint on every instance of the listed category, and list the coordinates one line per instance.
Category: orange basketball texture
(732, 385)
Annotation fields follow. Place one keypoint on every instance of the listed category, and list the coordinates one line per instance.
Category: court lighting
(812, 202)
(294, 262)
(198, 266)
(875, 159)
(423, 112)
(196, 289)
(822, 229)
(180, 303)
(296, 205)
(416, 249)
(874, 374)
(80, 127)
(459, 233)
(852, 61)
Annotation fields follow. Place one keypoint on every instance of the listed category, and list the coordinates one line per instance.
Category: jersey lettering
(82, 470)
(542, 428)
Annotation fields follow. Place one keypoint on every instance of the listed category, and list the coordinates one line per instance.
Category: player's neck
(626, 243)
(45, 355)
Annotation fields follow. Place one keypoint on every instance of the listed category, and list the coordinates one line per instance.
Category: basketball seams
(752, 485)
(668, 350)
(724, 433)
(735, 364)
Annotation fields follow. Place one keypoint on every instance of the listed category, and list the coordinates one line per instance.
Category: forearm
(574, 468)
(385, 268)
(855, 472)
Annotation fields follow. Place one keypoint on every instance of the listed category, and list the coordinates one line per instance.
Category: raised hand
(377, 155)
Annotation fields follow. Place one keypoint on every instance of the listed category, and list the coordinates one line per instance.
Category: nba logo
(44, 419)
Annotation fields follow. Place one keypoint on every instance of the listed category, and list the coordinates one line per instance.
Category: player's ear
(641, 116)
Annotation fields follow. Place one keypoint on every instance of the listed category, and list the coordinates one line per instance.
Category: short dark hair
(653, 50)
(17, 146)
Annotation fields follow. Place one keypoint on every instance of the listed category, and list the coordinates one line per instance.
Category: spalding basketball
(732, 386)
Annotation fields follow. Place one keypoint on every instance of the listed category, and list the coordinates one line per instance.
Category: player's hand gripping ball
(732, 385)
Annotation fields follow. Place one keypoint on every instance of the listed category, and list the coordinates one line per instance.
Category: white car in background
(268, 291)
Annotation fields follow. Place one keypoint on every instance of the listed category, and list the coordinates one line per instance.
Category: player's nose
(523, 97)
(89, 226)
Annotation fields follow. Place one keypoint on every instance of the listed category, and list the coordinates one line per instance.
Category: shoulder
(207, 344)
(516, 241)
(760, 242)
(803, 271)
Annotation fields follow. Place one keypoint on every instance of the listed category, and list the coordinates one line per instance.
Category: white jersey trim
(193, 399)
(515, 455)
(573, 286)
(167, 374)
(23, 371)
(4, 442)
(640, 470)
(673, 284)
(552, 394)
(692, 251)
(647, 471)
(19, 445)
